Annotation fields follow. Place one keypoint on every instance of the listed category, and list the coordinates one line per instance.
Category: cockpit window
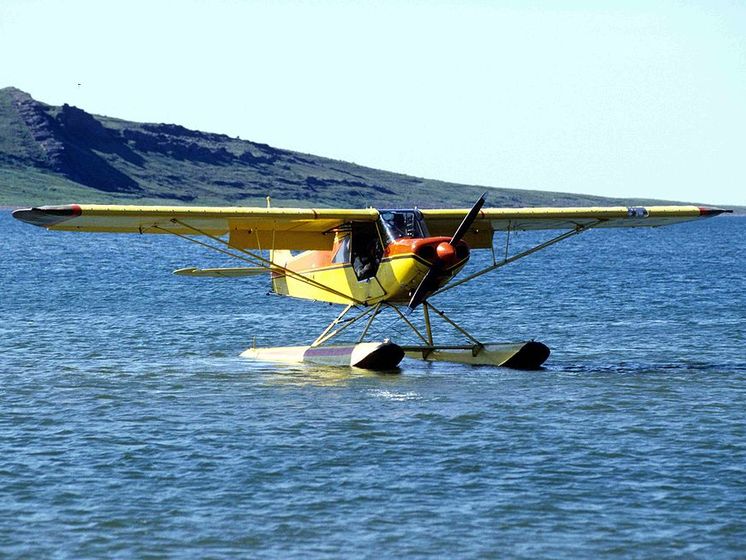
(343, 251)
(402, 223)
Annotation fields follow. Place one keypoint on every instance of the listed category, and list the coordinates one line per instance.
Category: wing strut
(507, 260)
(257, 259)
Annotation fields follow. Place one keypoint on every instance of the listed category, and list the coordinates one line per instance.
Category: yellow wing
(248, 228)
(490, 220)
(305, 228)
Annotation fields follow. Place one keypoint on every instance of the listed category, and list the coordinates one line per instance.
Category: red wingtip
(46, 216)
(707, 211)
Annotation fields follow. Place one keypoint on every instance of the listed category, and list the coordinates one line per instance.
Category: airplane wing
(305, 228)
(248, 228)
(490, 220)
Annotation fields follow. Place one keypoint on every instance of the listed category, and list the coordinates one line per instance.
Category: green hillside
(52, 154)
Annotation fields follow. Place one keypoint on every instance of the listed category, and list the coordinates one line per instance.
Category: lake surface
(130, 428)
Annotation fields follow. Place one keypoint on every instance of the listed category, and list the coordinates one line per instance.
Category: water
(129, 426)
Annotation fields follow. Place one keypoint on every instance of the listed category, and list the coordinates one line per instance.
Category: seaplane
(366, 260)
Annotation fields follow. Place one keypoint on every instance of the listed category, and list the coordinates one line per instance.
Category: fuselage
(371, 263)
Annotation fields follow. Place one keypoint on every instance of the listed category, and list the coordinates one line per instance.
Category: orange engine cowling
(438, 252)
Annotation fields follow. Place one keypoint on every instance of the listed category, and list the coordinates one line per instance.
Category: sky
(623, 99)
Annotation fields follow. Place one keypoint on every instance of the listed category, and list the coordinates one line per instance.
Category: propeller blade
(425, 286)
(468, 220)
(427, 283)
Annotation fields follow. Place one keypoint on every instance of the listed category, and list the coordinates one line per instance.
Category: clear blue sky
(619, 99)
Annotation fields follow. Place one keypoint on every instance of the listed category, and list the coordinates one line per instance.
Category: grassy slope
(172, 165)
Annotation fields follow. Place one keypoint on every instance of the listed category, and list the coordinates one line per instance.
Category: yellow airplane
(368, 260)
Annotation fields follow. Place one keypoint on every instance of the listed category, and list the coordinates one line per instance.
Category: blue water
(130, 428)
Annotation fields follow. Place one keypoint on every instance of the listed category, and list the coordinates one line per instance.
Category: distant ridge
(52, 154)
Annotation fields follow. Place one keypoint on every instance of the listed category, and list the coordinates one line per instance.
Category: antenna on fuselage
(269, 201)
(365, 202)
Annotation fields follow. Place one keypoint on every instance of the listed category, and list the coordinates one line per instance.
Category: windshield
(402, 223)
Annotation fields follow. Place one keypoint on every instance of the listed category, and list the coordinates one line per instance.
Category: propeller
(446, 252)
(468, 220)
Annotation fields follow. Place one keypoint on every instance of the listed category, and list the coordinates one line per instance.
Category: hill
(51, 154)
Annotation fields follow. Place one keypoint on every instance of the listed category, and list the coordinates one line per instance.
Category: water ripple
(131, 428)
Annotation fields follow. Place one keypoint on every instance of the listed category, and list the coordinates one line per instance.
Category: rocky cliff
(64, 154)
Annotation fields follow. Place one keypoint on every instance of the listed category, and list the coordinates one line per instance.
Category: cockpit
(396, 224)
(365, 245)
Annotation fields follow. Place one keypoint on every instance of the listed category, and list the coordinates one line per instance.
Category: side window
(343, 251)
(420, 225)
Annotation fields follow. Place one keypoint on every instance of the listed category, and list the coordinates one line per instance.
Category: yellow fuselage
(316, 277)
